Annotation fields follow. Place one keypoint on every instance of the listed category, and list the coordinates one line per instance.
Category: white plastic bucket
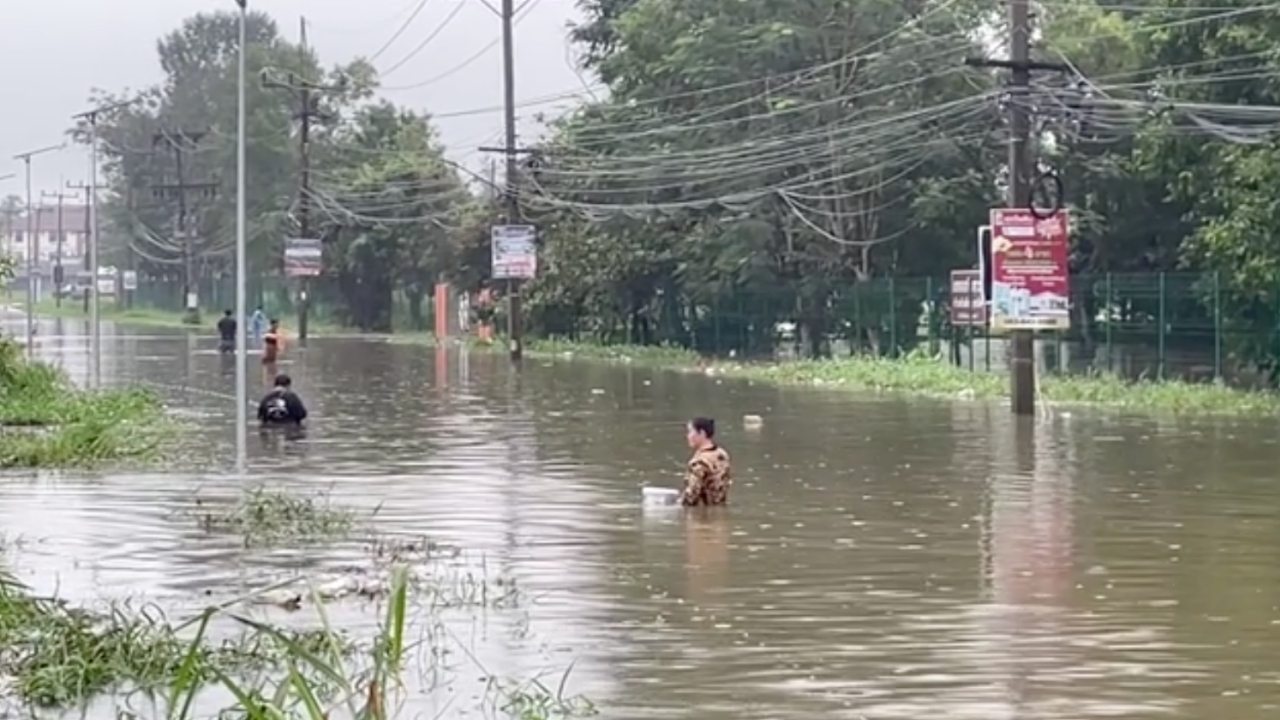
(659, 496)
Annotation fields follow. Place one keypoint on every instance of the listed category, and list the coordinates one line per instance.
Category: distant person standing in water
(707, 479)
(272, 347)
(227, 332)
(258, 325)
(272, 343)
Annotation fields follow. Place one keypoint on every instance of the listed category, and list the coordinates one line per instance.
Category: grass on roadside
(261, 517)
(157, 317)
(45, 421)
(923, 374)
(111, 310)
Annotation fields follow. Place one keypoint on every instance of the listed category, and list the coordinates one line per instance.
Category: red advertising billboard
(1030, 289)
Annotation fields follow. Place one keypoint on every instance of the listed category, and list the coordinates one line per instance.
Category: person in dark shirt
(282, 406)
(227, 333)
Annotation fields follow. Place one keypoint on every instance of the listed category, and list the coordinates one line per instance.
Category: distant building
(13, 235)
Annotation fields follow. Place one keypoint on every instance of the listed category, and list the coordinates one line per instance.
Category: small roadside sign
(968, 305)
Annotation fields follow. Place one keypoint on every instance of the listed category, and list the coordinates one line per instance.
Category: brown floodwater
(882, 558)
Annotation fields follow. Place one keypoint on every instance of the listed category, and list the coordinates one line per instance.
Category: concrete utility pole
(33, 246)
(1022, 169)
(515, 319)
(181, 143)
(306, 95)
(515, 311)
(88, 224)
(88, 230)
(59, 278)
(125, 298)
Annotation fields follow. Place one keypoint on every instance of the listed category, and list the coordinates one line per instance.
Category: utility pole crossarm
(1027, 65)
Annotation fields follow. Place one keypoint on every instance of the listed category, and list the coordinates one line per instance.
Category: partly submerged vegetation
(55, 655)
(261, 516)
(45, 421)
(438, 574)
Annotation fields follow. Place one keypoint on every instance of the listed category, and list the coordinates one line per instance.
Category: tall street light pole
(95, 324)
(32, 247)
(242, 349)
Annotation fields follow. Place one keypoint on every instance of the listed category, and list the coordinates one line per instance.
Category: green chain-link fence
(1154, 325)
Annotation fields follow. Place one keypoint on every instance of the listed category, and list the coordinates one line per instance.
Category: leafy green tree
(664, 225)
(380, 147)
(394, 205)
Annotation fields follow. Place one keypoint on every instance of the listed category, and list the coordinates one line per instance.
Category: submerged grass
(261, 516)
(45, 421)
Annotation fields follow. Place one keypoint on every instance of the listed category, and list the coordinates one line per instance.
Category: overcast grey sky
(56, 50)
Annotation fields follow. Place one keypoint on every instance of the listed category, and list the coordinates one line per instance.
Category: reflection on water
(882, 558)
(706, 543)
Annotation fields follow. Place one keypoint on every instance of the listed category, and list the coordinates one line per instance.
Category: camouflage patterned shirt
(707, 479)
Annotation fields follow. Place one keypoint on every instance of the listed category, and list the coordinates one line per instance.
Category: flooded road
(882, 558)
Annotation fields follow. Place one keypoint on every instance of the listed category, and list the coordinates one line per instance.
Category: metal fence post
(1160, 345)
(857, 317)
(1110, 315)
(931, 306)
(1276, 328)
(893, 320)
(718, 348)
(1217, 327)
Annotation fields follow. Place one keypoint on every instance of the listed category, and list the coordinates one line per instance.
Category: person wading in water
(281, 407)
(707, 479)
(272, 348)
(227, 333)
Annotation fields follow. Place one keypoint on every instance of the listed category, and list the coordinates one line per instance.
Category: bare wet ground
(882, 558)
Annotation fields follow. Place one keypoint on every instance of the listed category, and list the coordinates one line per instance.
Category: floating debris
(281, 598)
(752, 422)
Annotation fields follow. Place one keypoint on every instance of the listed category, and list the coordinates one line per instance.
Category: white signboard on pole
(303, 257)
(515, 252)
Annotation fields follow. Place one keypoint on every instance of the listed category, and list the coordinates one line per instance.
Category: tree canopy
(754, 162)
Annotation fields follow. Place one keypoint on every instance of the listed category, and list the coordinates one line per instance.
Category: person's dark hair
(228, 313)
(704, 425)
(283, 381)
(275, 321)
